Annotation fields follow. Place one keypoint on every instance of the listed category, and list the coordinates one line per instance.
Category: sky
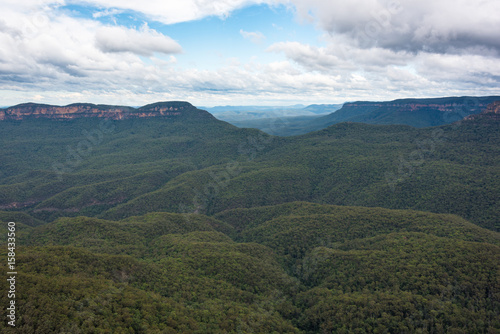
(246, 52)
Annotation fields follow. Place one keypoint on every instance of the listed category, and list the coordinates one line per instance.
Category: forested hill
(191, 225)
(140, 165)
(170, 110)
(292, 268)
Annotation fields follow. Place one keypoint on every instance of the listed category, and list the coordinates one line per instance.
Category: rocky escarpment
(402, 105)
(81, 110)
(445, 105)
(490, 114)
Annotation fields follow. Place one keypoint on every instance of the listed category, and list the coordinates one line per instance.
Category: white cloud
(175, 11)
(340, 57)
(144, 42)
(313, 58)
(372, 49)
(450, 46)
(107, 12)
(255, 37)
(441, 26)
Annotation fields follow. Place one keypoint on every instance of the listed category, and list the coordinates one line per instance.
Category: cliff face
(81, 110)
(490, 114)
(493, 109)
(415, 106)
(413, 112)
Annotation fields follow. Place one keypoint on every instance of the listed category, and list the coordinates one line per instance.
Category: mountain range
(260, 114)
(165, 219)
(141, 160)
(414, 112)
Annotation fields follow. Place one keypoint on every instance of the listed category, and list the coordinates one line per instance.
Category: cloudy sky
(246, 52)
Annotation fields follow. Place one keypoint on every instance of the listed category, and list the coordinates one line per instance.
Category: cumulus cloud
(440, 26)
(174, 11)
(404, 47)
(313, 58)
(143, 42)
(371, 49)
(337, 57)
(66, 55)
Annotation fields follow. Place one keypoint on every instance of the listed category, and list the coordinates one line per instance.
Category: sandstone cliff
(80, 110)
(491, 113)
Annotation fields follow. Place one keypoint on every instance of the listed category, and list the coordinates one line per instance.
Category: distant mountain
(414, 112)
(276, 126)
(259, 117)
(278, 122)
(323, 108)
(222, 109)
(173, 109)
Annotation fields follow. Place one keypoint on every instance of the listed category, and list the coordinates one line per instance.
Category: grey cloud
(338, 58)
(310, 57)
(9, 30)
(8, 78)
(423, 48)
(440, 26)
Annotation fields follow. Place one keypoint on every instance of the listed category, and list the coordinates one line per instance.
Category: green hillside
(192, 225)
(292, 268)
(207, 166)
(443, 170)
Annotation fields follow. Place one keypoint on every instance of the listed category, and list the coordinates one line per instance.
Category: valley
(164, 219)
